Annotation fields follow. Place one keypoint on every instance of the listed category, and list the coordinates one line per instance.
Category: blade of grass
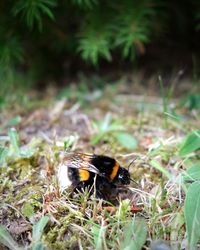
(157, 166)
(38, 228)
(7, 240)
(14, 141)
(192, 214)
(98, 235)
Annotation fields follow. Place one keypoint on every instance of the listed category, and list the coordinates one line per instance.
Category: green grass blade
(7, 240)
(98, 235)
(3, 154)
(105, 124)
(157, 166)
(192, 214)
(14, 140)
(38, 228)
(38, 246)
(97, 138)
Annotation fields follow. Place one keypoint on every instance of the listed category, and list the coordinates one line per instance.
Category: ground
(145, 124)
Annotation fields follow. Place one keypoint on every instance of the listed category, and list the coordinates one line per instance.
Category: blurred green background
(44, 40)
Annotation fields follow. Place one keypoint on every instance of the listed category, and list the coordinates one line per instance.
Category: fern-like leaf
(33, 11)
(132, 26)
(95, 40)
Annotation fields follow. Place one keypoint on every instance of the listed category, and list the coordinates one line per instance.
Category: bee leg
(105, 190)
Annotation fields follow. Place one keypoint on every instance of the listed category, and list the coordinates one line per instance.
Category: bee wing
(79, 161)
(84, 165)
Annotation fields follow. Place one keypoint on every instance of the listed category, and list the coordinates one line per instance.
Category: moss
(61, 236)
(6, 185)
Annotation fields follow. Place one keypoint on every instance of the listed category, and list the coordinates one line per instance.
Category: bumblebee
(101, 172)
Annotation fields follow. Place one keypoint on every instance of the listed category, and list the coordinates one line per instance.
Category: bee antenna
(134, 181)
(131, 163)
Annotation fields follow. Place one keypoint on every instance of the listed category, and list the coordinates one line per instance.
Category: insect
(86, 170)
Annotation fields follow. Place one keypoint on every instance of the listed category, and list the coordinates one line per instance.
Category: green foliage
(39, 227)
(3, 154)
(192, 214)
(33, 11)
(104, 127)
(134, 24)
(121, 230)
(94, 43)
(134, 235)
(35, 34)
(191, 143)
(114, 128)
(191, 101)
(192, 201)
(14, 141)
(160, 168)
(14, 121)
(85, 3)
(126, 140)
(11, 50)
(98, 232)
(36, 244)
(102, 28)
(197, 14)
(176, 226)
(193, 173)
(7, 240)
(14, 149)
(28, 210)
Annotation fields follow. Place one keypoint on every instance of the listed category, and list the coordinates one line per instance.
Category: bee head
(123, 177)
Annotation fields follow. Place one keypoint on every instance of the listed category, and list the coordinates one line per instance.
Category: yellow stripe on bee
(84, 175)
(114, 171)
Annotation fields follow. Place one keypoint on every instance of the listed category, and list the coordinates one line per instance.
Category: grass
(158, 211)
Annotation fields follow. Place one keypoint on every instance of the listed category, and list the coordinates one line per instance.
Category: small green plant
(114, 128)
(14, 149)
(191, 101)
(33, 11)
(192, 173)
(160, 168)
(187, 150)
(134, 235)
(36, 244)
(127, 31)
(37, 232)
(192, 214)
(98, 232)
(191, 143)
(191, 176)
(120, 231)
(7, 240)
(95, 38)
